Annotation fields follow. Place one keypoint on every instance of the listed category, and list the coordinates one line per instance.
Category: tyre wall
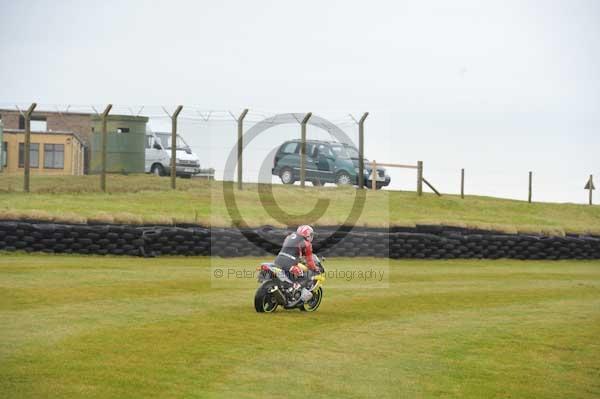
(430, 242)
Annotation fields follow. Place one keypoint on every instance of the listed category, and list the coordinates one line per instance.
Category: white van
(158, 156)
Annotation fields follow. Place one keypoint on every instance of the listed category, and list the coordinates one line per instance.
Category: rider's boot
(306, 295)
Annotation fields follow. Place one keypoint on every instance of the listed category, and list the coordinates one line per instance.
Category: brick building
(85, 128)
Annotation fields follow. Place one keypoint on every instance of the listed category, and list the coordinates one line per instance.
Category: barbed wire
(158, 111)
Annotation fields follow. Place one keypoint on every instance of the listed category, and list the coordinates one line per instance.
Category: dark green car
(326, 162)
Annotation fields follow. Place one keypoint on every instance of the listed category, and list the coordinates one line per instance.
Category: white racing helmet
(306, 231)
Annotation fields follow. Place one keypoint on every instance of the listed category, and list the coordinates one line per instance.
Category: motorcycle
(274, 291)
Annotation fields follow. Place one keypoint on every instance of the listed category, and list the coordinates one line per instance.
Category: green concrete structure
(125, 148)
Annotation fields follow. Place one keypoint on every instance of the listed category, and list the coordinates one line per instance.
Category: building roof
(130, 118)
(92, 115)
(53, 132)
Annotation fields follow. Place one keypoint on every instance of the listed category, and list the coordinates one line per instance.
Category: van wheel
(343, 179)
(157, 170)
(287, 176)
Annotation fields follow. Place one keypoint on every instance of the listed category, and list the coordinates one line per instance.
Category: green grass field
(141, 199)
(78, 326)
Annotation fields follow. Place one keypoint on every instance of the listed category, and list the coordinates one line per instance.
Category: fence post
(462, 183)
(361, 150)
(303, 149)
(374, 175)
(174, 146)
(591, 186)
(530, 184)
(26, 146)
(419, 178)
(104, 117)
(240, 147)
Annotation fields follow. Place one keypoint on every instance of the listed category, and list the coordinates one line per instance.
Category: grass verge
(140, 199)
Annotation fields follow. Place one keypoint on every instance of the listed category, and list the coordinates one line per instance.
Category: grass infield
(83, 326)
(144, 199)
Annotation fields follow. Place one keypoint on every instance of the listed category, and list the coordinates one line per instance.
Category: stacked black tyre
(420, 243)
(61, 238)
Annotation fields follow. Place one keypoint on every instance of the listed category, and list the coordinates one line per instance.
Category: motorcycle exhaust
(279, 297)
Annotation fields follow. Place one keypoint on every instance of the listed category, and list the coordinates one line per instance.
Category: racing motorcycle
(274, 291)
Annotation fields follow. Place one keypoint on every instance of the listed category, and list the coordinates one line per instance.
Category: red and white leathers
(295, 246)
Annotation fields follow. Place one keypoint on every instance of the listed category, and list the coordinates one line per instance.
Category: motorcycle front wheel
(264, 302)
(314, 302)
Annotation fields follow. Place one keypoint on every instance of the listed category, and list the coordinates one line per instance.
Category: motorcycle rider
(294, 246)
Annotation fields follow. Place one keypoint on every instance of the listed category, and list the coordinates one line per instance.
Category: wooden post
(530, 184)
(591, 186)
(240, 146)
(361, 150)
(303, 149)
(420, 178)
(26, 146)
(104, 117)
(431, 187)
(462, 183)
(374, 175)
(174, 146)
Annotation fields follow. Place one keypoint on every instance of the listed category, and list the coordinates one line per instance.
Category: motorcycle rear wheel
(264, 302)
(314, 302)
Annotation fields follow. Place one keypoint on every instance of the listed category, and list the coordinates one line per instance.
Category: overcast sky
(499, 88)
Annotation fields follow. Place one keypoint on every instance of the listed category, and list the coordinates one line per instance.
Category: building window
(123, 130)
(39, 124)
(34, 155)
(36, 123)
(4, 154)
(54, 156)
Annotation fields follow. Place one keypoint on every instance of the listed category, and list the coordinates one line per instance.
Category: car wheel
(287, 176)
(157, 170)
(343, 179)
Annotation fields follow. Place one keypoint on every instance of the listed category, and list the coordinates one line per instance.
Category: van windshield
(344, 151)
(165, 141)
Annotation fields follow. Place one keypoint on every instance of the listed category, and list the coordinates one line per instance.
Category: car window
(165, 140)
(352, 151)
(290, 148)
(325, 150)
(340, 152)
